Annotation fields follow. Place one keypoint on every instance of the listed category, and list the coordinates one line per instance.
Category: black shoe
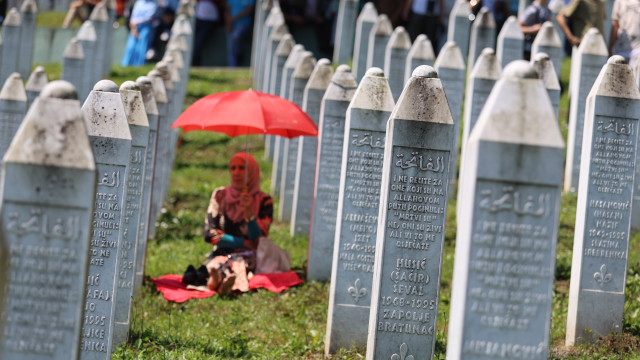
(190, 276)
(202, 275)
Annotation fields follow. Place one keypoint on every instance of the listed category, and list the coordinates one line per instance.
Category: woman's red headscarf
(233, 209)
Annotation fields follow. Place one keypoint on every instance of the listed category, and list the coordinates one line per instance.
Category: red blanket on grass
(173, 289)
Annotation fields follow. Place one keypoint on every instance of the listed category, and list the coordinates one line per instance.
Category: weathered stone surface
(327, 175)
(36, 82)
(273, 20)
(28, 14)
(358, 202)
(460, 26)
(395, 60)
(262, 9)
(544, 68)
(364, 24)
(378, 39)
(88, 40)
(410, 235)
(307, 149)
(507, 225)
(588, 61)
(299, 78)
(450, 68)
(274, 40)
(605, 202)
(49, 183)
(13, 107)
(421, 53)
(547, 41)
(483, 35)
(510, 44)
(73, 64)
(160, 94)
(345, 31)
(110, 139)
(10, 43)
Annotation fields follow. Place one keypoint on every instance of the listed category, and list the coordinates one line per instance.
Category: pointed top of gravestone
(450, 57)
(171, 66)
(285, 45)
(294, 55)
(368, 13)
(53, 132)
(186, 8)
(616, 79)
(518, 111)
(593, 43)
(146, 88)
(511, 29)
(275, 17)
(487, 66)
(461, 9)
(343, 84)
(423, 98)
(13, 89)
(305, 65)
(100, 13)
(373, 93)
(399, 39)
(546, 71)
(163, 71)
(37, 80)
(59, 89)
(484, 19)
(133, 104)
(176, 58)
(159, 90)
(29, 6)
(104, 112)
(321, 75)
(87, 31)
(111, 4)
(73, 50)
(278, 32)
(422, 48)
(547, 36)
(182, 25)
(382, 26)
(13, 18)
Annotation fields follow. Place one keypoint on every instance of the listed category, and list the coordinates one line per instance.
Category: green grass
(291, 325)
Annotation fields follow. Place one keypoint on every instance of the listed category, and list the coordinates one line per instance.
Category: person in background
(531, 21)
(141, 32)
(584, 15)
(394, 9)
(207, 20)
(3, 10)
(425, 17)
(80, 9)
(237, 21)
(162, 33)
(625, 30)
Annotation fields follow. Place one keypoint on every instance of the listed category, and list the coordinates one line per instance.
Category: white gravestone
(450, 68)
(510, 45)
(73, 64)
(10, 44)
(110, 140)
(36, 82)
(345, 31)
(547, 41)
(357, 220)
(262, 9)
(87, 38)
(460, 20)
(307, 149)
(100, 19)
(274, 19)
(279, 150)
(13, 107)
(274, 40)
(421, 53)
(289, 148)
(547, 74)
(279, 58)
(139, 128)
(588, 61)
(411, 226)
(327, 175)
(378, 39)
(151, 108)
(507, 225)
(364, 24)
(49, 186)
(605, 205)
(395, 60)
(111, 10)
(483, 35)
(29, 13)
(160, 94)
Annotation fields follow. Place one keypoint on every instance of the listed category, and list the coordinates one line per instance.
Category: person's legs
(204, 29)
(235, 43)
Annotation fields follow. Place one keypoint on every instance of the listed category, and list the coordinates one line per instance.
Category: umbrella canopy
(247, 112)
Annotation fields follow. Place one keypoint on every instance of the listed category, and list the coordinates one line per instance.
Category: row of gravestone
(81, 187)
(348, 190)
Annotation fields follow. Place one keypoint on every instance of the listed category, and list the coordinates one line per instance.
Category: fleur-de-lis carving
(356, 291)
(403, 353)
(603, 276)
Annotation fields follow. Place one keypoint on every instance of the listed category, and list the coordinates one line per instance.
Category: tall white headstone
(547, 74)
(483, 35)
(507, 225)
(13, 107)
(510, 45)
(274, 40)
(9, 59)
(547, 41)
(378, 39)
(605, 205)
(87, 39)
(273, 20)
(364, 24)
(100, 19)
(162, 102)
(345, 31)
(29, 13)
(395, 60)
(421, 53)
(460, 20)
(73, 64)
(36, 82)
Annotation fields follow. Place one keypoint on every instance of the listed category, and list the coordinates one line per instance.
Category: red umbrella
(247, 112)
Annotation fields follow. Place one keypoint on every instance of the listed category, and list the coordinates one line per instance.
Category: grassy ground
(264, 325)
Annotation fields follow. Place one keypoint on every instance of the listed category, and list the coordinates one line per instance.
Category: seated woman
(237, 221)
